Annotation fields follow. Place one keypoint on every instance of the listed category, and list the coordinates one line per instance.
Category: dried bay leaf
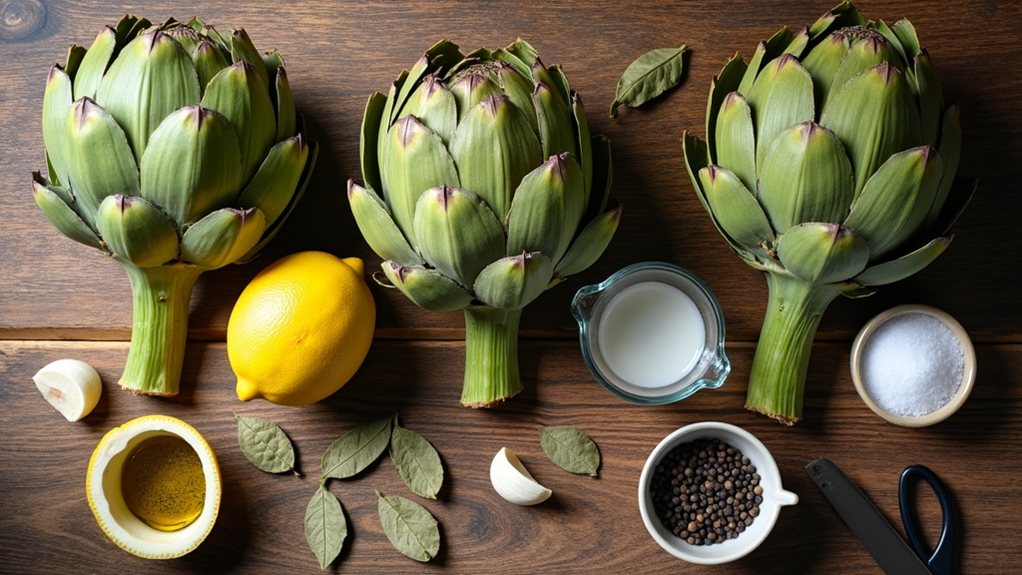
(648, 76)
(325, 526)
(356, 450)
(266, 445)
(570, 449)
(410, 527)
(417, 462)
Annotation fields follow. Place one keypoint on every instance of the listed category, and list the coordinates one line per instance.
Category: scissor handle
(941, 559)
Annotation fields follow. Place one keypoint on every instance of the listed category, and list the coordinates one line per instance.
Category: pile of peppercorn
(705, 491)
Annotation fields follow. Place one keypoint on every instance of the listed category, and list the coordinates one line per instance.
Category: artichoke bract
(830, 164)
(174, 149)
(483, 188)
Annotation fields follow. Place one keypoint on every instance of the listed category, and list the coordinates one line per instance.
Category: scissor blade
(882, 541)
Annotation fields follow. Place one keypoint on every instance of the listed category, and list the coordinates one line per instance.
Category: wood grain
(590, 525)
(52, 289)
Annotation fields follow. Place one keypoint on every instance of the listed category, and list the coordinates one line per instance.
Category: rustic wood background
(60, 299)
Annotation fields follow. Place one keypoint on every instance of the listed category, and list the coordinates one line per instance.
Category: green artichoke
(830, 164)
(492, 191)
(174, 149)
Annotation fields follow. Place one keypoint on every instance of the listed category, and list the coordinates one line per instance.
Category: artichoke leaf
(54, 204)
(736, 139)
(590, 244)
(861, 55)
(415, 160)
(798, 44)
(99, 160)
(885, 30)
(781, 97)
(843, 15)
(806, 177)
(240, 96)
(525, 70)
(274, 184)
(494, 147)
(222, 237)
(514, 281)
(603, 177)
(443, 54)
(368, 146)
(547, 208)
(584, 145)
(725, 82)
(931, 99)
(94, 63)
(524, 52)
(457, 233)
(905, 266)
(518, 88)
(242, 49)
(287, 122)
(469, 90)
(896, 199)
(378, 227)
(906, 32)
(435, 106)
(560, 81)
(765, 52)
(208, 61)
(427, 288)
(959, 196)
(556, 134)
(386, 123)
(874, 116)
(57, 100)
(303, 182)
(192, 165)
(822, 253)
(736, 210)
(951, 152)
(154, 64)
(137, 231)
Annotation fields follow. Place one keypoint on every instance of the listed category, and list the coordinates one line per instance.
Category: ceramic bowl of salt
(913, 365)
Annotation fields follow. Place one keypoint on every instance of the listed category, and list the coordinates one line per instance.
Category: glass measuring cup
(708, 369)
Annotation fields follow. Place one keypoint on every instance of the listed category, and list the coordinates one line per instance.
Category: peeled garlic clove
(513, 482)
(71, 386)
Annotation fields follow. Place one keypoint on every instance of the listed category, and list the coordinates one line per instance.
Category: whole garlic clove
(513, 482)
(71, 386)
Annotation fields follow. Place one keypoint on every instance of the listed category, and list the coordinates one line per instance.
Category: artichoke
(174, 149)
(482, 189)
(830, 164)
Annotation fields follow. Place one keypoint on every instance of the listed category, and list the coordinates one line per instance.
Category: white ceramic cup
(774, 496)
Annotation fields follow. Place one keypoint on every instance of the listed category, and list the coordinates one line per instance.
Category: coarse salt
(912, 365)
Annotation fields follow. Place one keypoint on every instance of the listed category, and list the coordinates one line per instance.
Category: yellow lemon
(301, 328)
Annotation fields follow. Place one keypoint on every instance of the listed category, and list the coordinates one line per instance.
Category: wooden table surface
(60, 299)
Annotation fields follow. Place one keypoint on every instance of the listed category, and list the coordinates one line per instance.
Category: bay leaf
(325, 526)
(648, 76)
(417, 462)
(266, 445)
(356, 450)
(570, 449)
(411, 528)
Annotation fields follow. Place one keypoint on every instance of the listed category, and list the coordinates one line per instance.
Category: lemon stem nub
(159, 327)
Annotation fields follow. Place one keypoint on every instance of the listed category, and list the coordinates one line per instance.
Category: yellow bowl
(968, 372)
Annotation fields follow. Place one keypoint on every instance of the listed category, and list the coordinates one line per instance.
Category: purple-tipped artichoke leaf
(765, 52)
(242, 49)
(786, 90)
(547, 209)
(415, 159)
(427, 288)
(736, 139)
(822, 253)
(514, 281)
(590, 244)
(736, 210)
(137, 231)
(457, 233)
(222, 236)
(275, 182)
(57, 101)
(53, 201)
(94, 63)
(186, 184)
(378, 227)
(240, 96)
(99, 160)
(555, 122)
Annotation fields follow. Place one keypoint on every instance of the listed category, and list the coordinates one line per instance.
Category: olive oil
(163, 483)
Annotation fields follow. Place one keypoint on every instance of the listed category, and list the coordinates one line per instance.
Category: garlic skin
(513, 482)
(71, 386)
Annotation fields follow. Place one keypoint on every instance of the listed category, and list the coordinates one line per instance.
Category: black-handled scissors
(941, 560)
(894, 555)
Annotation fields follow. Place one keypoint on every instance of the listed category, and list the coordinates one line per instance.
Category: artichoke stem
(778, 375)
(159, 327)
(491, 356)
